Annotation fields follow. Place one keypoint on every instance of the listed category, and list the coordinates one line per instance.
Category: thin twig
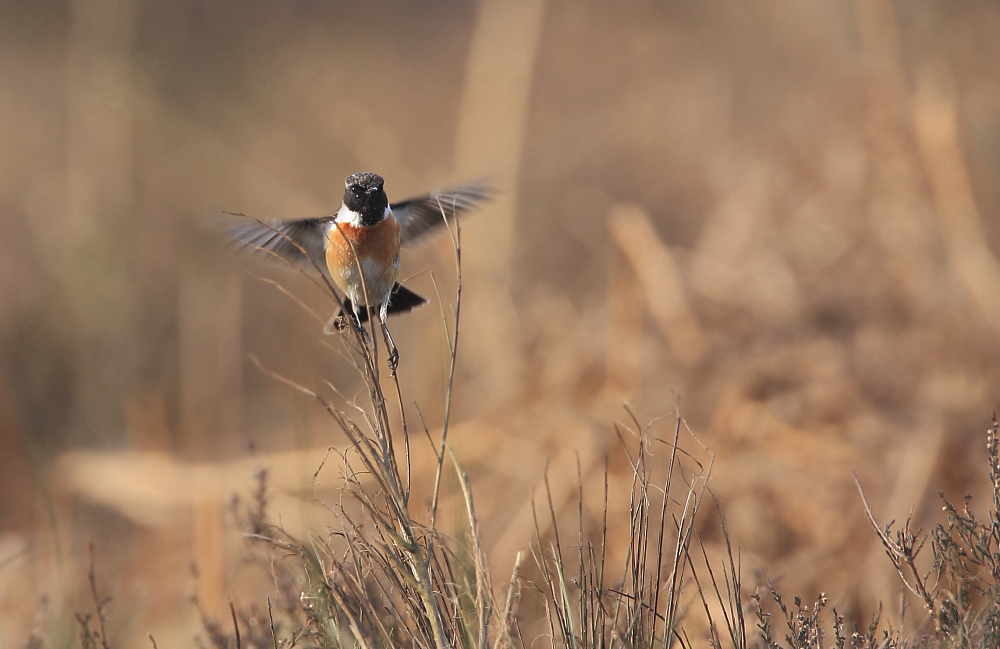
(509, 604)
(270, 618)
(98, 604)
(236, 626)
(457, 241)
(901, 552)
(284, 291)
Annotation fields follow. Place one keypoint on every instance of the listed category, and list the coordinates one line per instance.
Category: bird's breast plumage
(377, 249)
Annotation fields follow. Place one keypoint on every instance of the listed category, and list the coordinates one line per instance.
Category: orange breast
(377, 248)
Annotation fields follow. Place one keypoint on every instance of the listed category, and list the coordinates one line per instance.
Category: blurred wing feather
(419, 217)
(288, 240)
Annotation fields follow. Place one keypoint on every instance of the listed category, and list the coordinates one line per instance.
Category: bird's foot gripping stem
(349, 317)
(393, 361)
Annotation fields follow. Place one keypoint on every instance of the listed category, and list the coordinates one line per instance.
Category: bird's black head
(365, 197)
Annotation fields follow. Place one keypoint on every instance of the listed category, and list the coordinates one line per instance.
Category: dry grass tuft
(638, 604)
(960, 590)
(386, 575)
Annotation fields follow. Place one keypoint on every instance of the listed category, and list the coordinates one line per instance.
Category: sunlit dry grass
(780, 214)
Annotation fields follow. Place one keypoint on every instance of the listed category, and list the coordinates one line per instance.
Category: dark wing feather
(272, 239)
(419, 217)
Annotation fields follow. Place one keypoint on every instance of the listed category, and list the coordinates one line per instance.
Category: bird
(358, 246)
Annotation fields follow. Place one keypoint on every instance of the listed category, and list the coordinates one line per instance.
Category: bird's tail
(401, 300)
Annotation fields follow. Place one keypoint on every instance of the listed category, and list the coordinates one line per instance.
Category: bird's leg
(356, 312)
(383, 315)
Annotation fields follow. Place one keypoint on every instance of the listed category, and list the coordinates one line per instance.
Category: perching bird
(365, 234)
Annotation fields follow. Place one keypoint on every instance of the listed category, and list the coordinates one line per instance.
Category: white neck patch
(350, 217)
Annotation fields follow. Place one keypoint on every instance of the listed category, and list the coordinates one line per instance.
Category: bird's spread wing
(418, 217)
(275, 240)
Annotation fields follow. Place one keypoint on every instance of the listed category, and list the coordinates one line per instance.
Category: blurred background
(780, 216)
